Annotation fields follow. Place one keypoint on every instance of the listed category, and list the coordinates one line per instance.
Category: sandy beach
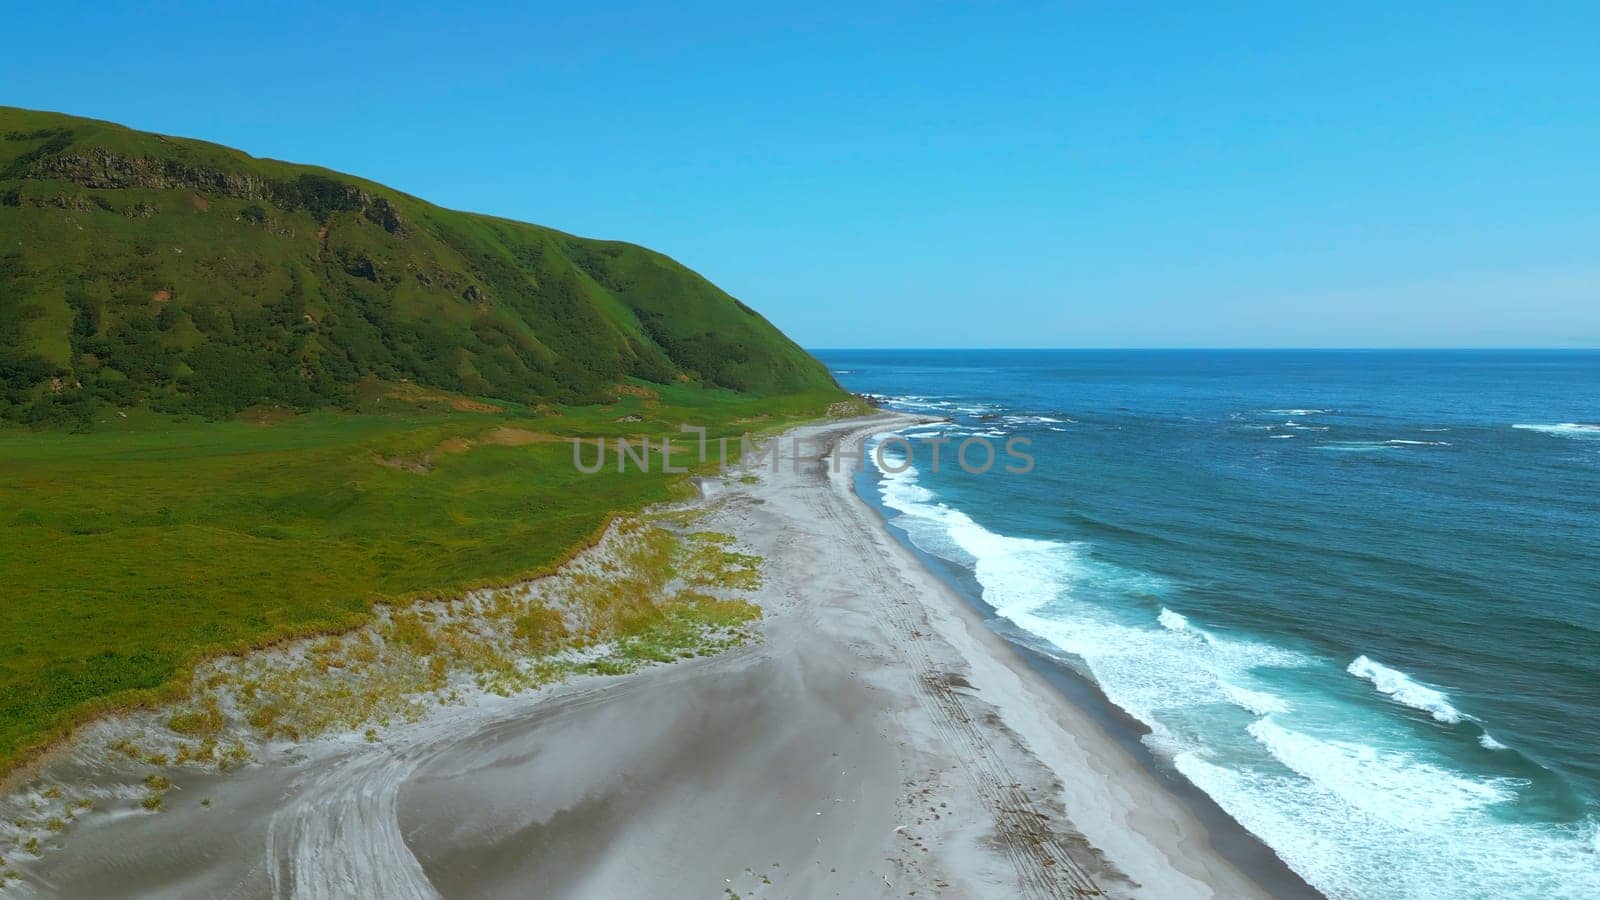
(878, 741)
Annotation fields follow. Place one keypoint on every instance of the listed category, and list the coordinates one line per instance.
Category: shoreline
(1227, 836)
(878, 739)
(1239, 864)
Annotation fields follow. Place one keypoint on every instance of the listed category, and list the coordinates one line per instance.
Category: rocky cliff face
(103, 169)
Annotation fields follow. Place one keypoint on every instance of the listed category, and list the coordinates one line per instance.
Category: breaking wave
(1405, 690)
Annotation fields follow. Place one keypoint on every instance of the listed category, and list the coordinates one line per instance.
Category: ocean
(1355, 596)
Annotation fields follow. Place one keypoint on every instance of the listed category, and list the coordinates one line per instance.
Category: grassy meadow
(235, 403)
(133, 551)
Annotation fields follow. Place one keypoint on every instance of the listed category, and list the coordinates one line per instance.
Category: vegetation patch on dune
(635, 598)
(647, 592)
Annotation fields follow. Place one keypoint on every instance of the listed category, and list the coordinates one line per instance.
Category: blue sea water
(1354, 595)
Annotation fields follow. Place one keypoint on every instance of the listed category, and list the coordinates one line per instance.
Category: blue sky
(928, 174)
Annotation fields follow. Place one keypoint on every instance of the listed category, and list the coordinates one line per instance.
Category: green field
(243, 399)
(133, 551)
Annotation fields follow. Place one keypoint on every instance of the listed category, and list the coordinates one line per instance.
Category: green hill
(412, 377)
(137, 268)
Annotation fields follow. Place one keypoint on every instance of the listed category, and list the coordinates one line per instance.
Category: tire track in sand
(1043, 866)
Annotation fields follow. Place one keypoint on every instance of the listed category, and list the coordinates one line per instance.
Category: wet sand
(880, 741)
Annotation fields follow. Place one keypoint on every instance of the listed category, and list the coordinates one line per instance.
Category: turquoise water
(1356, 596)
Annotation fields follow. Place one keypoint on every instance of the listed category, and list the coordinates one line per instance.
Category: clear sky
(930, 174)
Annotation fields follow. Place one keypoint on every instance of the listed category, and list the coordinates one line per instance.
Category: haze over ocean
(1356, 595)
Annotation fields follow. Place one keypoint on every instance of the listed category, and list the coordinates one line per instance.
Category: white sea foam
(1347, 852)
(1297, 412)
(1489, 743)
(1355, 817)
(1259, 702)
(1565, 429)
(1385, 784)
(1172, 621)
(1047, 588)
(1378, 446)
(1404, 689)
(1281, 437)
(912, 402)
(1032, 420)
(1356, 447)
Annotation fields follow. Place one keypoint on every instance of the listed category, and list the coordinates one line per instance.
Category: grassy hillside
(142, 269)
(248, 399)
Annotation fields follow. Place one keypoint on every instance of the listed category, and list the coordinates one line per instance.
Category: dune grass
(633, 600)
(132, 552)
